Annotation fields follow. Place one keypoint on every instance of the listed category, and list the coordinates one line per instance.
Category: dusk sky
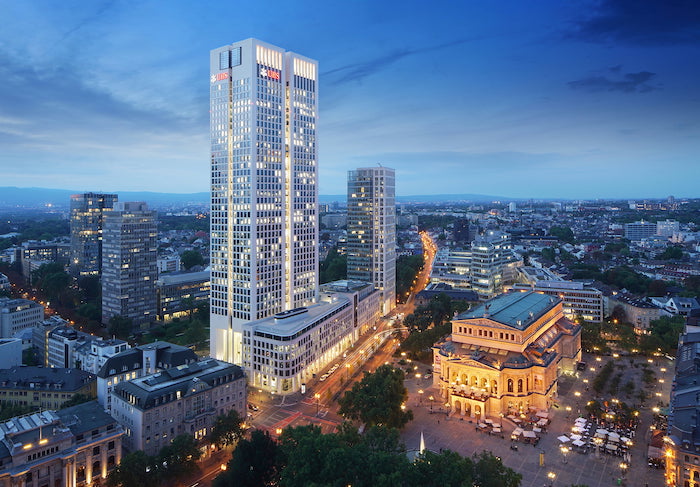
(543, 99)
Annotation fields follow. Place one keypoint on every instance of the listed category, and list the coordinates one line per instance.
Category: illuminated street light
(551, 476)
(318, 397)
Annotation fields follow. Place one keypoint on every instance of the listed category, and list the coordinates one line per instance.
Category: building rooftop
(286, 326)
(345, 286)
(84, 417)
(515, 309)
(171, 384)
(174, 278)
(167, 355)
(40, 378)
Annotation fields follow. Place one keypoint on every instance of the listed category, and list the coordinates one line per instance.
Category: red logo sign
(270, 73)
(218, 77)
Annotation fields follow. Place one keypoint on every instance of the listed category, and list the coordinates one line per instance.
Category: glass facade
(372, 230)
(264, 206)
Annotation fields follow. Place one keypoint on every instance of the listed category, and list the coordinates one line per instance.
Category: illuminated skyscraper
(86, 213)
(372, 230)
(264, 194)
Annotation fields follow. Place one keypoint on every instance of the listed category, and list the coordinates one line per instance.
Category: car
(253, 407)
(323, 377)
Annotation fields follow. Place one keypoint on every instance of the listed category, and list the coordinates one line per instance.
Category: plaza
(546, 462)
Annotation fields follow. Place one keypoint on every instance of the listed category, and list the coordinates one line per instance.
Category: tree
(378, 399)
(179, 457)
(76, 399)
(333, 267)
(52, 280)
(134, 470)
(489, 471)
(255, 463)
(90, 287)
(120, 326)
(445, 469)
(227, 429)
(671, 253)
(191, 258)
(565, 234)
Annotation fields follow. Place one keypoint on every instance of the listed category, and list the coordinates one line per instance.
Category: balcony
(192, 415)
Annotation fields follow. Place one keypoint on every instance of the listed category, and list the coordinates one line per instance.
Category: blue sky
(585, 99)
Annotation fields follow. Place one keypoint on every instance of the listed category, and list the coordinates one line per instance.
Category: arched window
(520, 385)
(510, 385)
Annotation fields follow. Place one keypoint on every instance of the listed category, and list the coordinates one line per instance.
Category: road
(318, 404)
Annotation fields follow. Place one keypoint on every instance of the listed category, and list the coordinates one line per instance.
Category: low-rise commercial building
(46, 388)
(638, 312)
(73, 447)
(505, 355)
(180, 400)
(579, 298)
(179, 293)
(17, 315)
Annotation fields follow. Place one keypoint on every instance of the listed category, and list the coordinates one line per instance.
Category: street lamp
(318, 397)
(420, 397)
(564, 451)
(623, 469)
(551, 476)
(431, 403)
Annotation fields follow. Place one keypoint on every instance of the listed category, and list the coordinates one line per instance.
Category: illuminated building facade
(372, 230)
(86, 216)
(264, 193)
(681, 451)
(505, 355)
(74, 447)
(129, 271)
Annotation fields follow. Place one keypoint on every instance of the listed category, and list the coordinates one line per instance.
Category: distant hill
(13, 197)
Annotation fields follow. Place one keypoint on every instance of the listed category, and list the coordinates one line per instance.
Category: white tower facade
(264, 191)
(372, 230)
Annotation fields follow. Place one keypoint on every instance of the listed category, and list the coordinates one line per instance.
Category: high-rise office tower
(264, 194)
(129, 268)
(372, 230)
(86, 214)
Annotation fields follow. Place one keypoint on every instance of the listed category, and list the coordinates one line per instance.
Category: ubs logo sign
(269, 73)
(218, 77)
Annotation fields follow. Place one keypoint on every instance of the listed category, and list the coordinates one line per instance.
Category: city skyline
(592, 100)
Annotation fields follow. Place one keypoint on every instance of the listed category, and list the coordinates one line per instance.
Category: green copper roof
(514, 309)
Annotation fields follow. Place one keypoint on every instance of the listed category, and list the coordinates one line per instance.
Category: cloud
(95, 17)
(358, 71)
(615, 80)
(648, 22)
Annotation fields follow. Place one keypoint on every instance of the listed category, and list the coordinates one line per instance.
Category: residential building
(137, 362)
(10, 352)
(86, 222)
(638, 312)
(680, 446)
(371, 246)
(637, 231)
(579, 298)
(68, 347)
(73, 447)
(181, 400)
(264, 188)
(34, 254)
(178, 293)
(18, 314)
(41, 387)
(40, 336)
(129, 272)
(667, 228)
(505, 355)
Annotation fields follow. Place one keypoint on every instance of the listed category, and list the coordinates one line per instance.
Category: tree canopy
(227, 429)
(377, 399)
(304, 456)
(120, 326)
(191, 258)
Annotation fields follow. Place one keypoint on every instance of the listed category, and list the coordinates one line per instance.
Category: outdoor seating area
(591, 435)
